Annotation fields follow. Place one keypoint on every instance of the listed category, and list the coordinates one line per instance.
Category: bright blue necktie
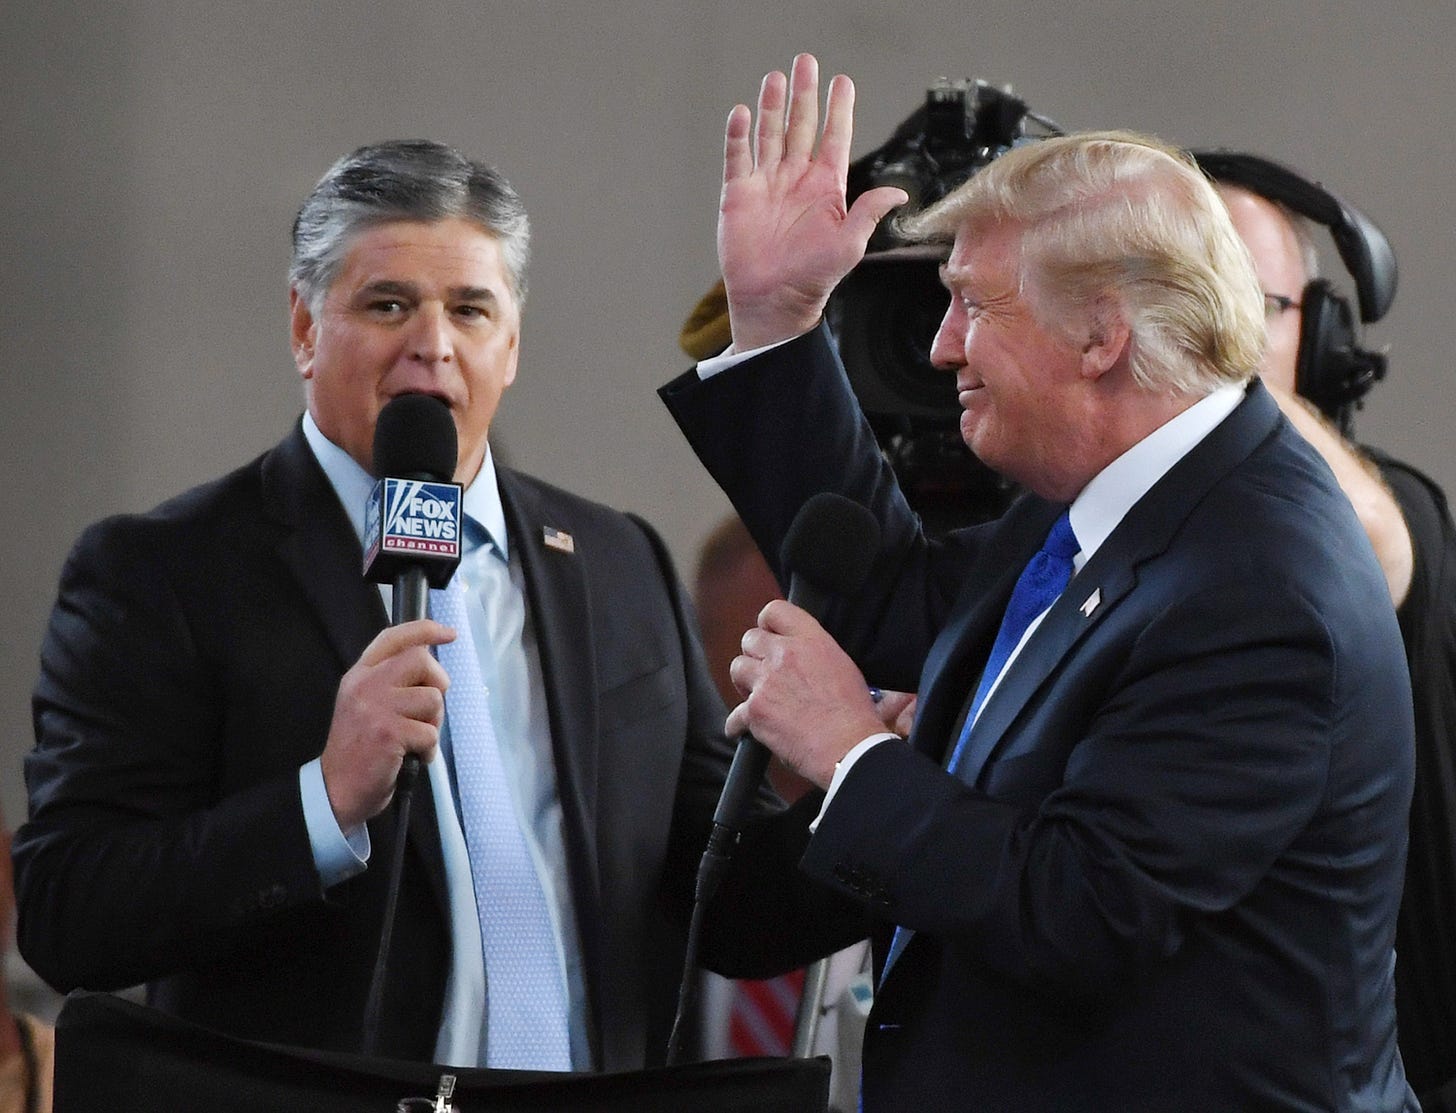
(526, 1003)
(1043, 579)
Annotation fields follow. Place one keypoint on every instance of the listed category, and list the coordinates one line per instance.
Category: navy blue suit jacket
(1173, 884)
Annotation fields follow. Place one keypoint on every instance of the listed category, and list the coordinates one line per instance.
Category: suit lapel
(323, 556)
(319, 549)
(1092, 594)
(1145, 531)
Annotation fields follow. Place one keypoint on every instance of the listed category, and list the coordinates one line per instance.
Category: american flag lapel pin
(1092, 602)
(557, 539)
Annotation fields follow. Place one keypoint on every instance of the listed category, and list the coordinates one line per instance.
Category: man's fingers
(838, 126)
(871, 207)
(737, 722)
(803, 115)
(745, 672)
(769, 148)
(393, 640)
(737, 154)
(781, 617)
(422, 703)
(754, 643)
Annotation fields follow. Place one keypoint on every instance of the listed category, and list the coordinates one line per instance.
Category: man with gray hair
(222, 712)
(1142, 850)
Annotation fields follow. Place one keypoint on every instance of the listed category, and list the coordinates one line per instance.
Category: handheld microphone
(412, 520)
(412, 541)
(828, 551)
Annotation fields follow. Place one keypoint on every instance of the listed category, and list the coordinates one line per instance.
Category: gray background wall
(155, 151)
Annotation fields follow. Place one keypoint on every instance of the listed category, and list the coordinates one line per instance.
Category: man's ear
(1109, 340)
(301, 332)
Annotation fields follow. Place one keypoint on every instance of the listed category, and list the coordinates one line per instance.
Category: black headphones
(1333, 371)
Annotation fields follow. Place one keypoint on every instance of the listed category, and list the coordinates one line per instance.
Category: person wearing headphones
(1318, 373)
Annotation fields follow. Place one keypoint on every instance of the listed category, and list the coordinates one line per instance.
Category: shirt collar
(353, 485)
(1113, 491)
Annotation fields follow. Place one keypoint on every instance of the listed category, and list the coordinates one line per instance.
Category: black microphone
(412, 541)
(412, 521)
(828, 551)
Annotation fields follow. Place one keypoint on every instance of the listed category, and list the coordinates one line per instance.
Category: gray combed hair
(405, 179)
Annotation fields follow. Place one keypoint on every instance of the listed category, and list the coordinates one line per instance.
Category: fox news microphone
(412, 520)
(412, 541)
(828, 551)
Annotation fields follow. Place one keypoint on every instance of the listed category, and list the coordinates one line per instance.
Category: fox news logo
(418, 518)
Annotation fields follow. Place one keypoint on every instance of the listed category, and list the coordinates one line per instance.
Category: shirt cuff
(841, 770)
(714, 365)
(337, 855)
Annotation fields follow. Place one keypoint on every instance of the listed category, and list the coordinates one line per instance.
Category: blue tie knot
(1061, 541)
(1044, 577)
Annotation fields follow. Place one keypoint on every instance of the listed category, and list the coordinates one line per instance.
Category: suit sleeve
(133, 864)
(771, 403)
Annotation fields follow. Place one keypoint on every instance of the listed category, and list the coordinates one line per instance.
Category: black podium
(116, 1056)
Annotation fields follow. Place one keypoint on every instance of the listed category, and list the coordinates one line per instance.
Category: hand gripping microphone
(828, 552)
(412, 541)
(412, 520)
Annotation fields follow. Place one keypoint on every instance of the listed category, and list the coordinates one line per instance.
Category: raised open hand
(785, 234)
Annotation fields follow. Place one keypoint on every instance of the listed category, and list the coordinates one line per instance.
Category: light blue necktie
(526, 1003)
(1043, 579)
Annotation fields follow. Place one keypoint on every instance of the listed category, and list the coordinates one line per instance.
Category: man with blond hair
(1143, 847)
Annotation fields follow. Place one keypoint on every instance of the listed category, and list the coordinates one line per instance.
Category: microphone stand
(811, 1008)
(749, 762)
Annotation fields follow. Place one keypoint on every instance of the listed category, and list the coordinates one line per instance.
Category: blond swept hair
(1122, 219)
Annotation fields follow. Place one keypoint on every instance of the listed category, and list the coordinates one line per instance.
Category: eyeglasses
(1275, 304)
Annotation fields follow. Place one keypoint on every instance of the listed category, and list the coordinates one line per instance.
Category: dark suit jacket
(190, 668)
(1173, 884)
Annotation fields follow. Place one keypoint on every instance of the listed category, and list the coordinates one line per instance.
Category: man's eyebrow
(473, 293)
(390, 286)
(397, 288)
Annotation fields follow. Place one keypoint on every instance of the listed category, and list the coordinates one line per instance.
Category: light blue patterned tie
(526, 1004)
(1043, 579)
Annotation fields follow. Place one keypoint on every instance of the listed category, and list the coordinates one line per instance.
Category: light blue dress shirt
(511, 668)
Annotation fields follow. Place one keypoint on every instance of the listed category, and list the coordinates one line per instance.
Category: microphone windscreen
(414, 438)
(832, 543)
